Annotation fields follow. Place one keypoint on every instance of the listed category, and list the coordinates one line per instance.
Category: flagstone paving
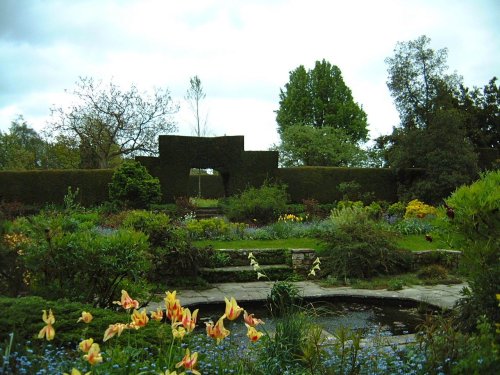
(442, 296)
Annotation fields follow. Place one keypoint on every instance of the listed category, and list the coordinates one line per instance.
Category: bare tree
(194, 96)
(110, 123)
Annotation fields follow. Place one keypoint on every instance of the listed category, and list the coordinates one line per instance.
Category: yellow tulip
(233, 311)
(178, 331)
(157, 315)
(48, 331)
(250, 320)
(75, 371)
(188, 320)
(189, 362)
(85, 345)
(114, 329)
(217, 331)
(168, 372)
(139, 319)
(253, 334)
(86, 317)
(127, 302)
(174, 308)
(94, 355)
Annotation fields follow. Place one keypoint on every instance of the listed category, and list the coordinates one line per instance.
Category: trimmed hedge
(50, 186)
(321, 183)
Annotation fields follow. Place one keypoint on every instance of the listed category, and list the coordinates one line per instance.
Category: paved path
(443, 296)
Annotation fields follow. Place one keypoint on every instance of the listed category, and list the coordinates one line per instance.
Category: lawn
(414, 242)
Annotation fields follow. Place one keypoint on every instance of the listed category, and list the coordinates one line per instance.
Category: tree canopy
(110, 123)
(318, 99)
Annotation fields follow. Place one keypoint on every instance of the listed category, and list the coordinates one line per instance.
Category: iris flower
(94, 355)
(233, 311)
(48, 331)
(126, 302)
(189, 362)
(86, 317)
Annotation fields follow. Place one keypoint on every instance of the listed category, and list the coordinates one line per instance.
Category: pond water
(390, 317)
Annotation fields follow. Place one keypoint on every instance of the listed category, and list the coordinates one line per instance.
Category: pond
(389, 316)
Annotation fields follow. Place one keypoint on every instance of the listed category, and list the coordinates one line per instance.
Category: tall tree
(319, 99)
(22, 147)
(111, 123)
(416, 72)
(432, 134)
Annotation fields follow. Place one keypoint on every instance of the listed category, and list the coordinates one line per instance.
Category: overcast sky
(242, 50)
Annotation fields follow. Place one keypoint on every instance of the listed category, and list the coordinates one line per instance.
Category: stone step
(245, 273)
(239, 257)
(208, 212)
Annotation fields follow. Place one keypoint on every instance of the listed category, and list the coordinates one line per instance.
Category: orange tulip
(233, 311)
(139, 319)
(189, 362)
(126, 302)
(253, 334)
(217, 331)
(86, 317)
(94, 355)
(250, 320)
(174, 308)
(85, 345)
(48, 331)
(188, 320)
(114, 329)
(157, 315)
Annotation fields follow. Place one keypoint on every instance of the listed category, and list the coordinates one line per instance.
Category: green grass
(417, 242)
(289, 243)
(204, 202)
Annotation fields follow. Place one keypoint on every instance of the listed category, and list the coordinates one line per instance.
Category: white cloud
(243, 51)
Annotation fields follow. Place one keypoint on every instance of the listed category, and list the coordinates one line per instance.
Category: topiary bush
(257, 205)
(133, 186)
(357, 247)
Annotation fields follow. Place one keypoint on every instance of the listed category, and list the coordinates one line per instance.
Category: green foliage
(154, 225)
(320, 98)
(397, 209)
(23, 317)
(433, 271)
(214, 228)
(284, 299)
(257, 205)
(450, 351)
(327, 146)
(356, 246)
(476, 219)
(413, 226)
(133, 186)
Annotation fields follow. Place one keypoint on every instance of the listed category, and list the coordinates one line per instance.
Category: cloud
(242, 50)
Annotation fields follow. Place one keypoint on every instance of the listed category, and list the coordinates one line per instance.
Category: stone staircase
(233, 265)
(208, 212)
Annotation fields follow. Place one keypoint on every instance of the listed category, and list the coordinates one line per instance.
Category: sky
(242, 51)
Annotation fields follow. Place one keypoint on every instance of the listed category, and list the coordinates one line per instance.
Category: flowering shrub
(418, 209)
(214, 228)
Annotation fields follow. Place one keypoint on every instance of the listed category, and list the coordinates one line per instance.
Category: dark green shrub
(154, 225)
(133, 186)
(357, 247)
(257, 205)
(23, 317)
(86, 265)
(433, 272)
(474, 214)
